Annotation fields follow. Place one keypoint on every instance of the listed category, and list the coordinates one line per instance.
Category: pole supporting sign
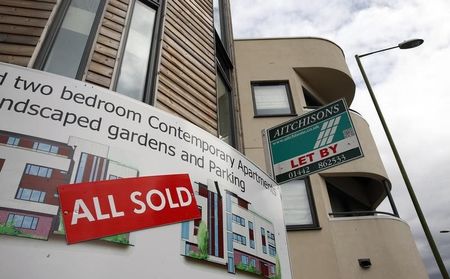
(313, 142)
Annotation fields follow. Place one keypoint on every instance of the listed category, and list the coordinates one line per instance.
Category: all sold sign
(98, 209)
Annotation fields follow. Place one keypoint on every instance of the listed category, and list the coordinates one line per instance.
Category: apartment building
(238, 237)
(334, 227)
(31, 170)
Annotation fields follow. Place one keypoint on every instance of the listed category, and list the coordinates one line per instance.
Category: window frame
(226, 82)
(271, 83)
(34, 220)
(28, 171)
(13, 141)
(224, 67)
(54, 28)
(20, 195)
(152, 65)
(314, 225)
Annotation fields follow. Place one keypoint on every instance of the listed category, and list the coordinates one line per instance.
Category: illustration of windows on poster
(230, 233)
(31, 169)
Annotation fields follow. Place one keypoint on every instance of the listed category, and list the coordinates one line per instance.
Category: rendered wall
(333, 250)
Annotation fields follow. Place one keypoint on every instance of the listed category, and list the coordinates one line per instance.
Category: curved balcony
(318, 62)
(386, 241)
(364, 179)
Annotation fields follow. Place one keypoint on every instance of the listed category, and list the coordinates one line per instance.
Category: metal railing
(361, 213)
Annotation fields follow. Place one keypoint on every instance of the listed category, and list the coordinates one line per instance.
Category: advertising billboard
(58, 131)
(313, 142)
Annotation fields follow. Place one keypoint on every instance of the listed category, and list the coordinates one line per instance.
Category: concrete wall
(333, 249)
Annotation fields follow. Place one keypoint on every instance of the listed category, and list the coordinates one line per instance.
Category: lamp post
(404, 45)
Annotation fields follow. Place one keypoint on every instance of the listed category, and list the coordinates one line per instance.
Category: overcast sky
(410, 85)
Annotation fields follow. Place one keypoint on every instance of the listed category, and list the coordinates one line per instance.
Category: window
(134, 72)
(185, 230)
(239, 220)
(13, 141)
(225, 113)
(30, 195)
(272, 251)
(38, 171)
(244, 259)
(220, 20)
(253, 262)
(272, 99)
(272, 269)
(217, 8)
(263, 240)
(239, 239)
(298, 205)
(224, 67)
(251, 235)
(67, 47)
(22, 221)
(310, 99)
(45, 147)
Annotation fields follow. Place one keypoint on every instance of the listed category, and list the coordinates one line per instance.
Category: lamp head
(410, 43)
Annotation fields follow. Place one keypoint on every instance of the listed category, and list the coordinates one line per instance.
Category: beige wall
(333, 250)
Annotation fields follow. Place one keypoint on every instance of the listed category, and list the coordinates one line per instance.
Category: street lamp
(445, 231)
(404, 45)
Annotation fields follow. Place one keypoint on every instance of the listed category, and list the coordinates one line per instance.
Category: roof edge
(291, 38)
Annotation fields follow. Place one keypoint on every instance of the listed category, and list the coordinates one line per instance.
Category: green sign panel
(313, 142)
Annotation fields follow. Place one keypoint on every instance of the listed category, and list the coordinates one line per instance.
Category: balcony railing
(361, 213)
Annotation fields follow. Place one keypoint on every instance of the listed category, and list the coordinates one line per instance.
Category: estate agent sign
(315, 141)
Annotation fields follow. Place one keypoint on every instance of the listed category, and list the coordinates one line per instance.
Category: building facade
(334, 228)
(238, 237)
(180, 56)
(29, 198)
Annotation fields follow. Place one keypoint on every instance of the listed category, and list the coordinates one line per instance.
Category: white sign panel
(55, 130)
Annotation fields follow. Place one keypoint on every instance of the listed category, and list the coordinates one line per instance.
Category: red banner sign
(98, 209)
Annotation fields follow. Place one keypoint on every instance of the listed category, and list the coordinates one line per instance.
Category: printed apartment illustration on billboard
(230, 233)
(32, 168)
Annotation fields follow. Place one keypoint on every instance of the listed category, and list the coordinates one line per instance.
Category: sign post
(313, 142)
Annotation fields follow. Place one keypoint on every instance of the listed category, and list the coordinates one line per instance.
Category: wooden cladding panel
(13, 59)
(24, 12)
(181, 102)
(19, 39)
(21, 20)
(180, 87)
(21, 25)
(183, 11)
(100, 69)
(187, 75)
(35, 5)
(168, 104)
